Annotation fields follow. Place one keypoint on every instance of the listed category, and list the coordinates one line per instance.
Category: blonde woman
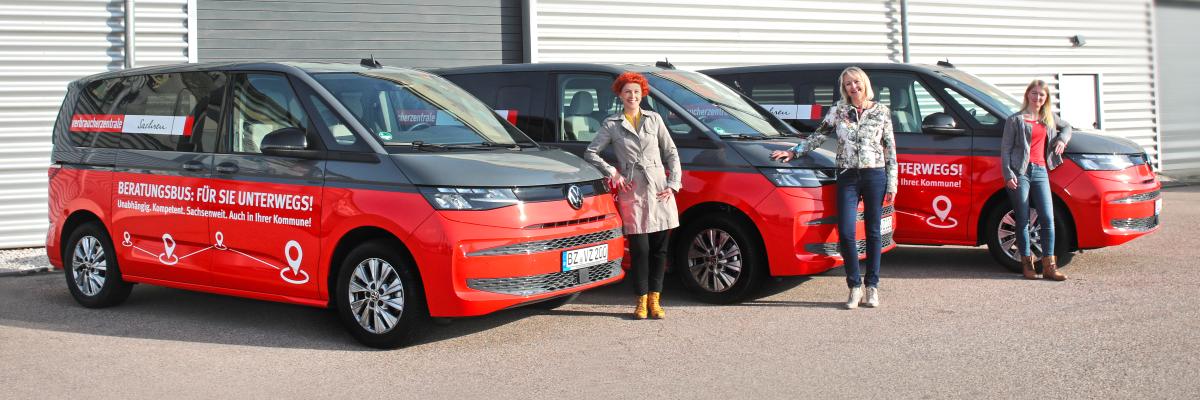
(1032, 146)
(866, 161)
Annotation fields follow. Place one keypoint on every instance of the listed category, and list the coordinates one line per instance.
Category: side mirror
(287, 142)
(940, 123)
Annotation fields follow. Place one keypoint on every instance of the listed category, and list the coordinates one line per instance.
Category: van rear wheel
(1001, 237)
(379, 298)
(719, 259)
(90, 266)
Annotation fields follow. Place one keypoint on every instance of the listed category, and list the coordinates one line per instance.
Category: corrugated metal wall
(1179, 62)
(697, 34)
(44, 45)
(414, 33)
(1012, 42)
(1007, 42)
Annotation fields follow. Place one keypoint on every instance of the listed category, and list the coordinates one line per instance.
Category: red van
(743, 216)
(948, 125)
(388, 194)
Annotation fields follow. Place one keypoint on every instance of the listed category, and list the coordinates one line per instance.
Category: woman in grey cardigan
(1032, 146)
(647, 177)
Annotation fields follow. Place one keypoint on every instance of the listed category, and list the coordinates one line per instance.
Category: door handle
(193, 166)
(227, 168)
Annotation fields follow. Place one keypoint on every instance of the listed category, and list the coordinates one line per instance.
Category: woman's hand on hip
(782, 155)
(1011, 183)
(619, 182)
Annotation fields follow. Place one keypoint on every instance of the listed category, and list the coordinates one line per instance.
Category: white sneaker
(872, 299)
(856, 295)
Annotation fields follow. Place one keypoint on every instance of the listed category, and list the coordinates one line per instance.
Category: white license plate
(885, 226)
(1158, 206)
(585, 257)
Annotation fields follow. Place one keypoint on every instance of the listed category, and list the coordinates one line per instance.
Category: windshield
(983, 91)
(403, 107)
(717, 106)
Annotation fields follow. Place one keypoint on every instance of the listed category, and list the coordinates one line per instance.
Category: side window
(167, 112)
(976, 111)
(676, 124)
(909, 100)
(335, 133)
(519, 96)
(800, 99)
(585, 100)
(262, 103)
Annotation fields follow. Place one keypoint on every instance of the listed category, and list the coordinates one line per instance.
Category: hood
(495, 168)
(758, 153)
(1095, 143)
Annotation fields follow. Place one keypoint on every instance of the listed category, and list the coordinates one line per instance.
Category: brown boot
(656, 310)
(1050, 269)
(640, 311)
(1027, 268)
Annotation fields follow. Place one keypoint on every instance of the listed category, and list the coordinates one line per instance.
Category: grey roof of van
(584, 67)
(275, 66)
(822, 66)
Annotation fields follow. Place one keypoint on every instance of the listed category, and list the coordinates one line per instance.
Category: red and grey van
(388, 194)
(948, 125)
(743, 216)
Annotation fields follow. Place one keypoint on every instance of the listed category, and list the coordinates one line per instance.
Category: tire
(91, 269)
(716, 246)
(1000, 237)
(379, 297)
(556, 302)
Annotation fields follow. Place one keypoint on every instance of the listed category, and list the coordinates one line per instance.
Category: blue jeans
(1033, 188)
(869, 185)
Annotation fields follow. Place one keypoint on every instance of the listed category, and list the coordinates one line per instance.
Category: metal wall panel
(413, 33)
(43, 46)
(697, 34)
(1179, 61)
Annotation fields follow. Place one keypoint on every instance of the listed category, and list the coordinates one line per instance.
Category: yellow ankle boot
(640, 311)
(656, 310)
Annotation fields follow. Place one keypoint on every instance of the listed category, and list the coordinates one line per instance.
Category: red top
(1037, 143)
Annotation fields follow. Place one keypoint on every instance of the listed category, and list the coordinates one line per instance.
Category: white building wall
(1007, 43)
(44, 45)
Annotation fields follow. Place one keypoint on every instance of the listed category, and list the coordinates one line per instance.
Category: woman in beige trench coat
(647, 176)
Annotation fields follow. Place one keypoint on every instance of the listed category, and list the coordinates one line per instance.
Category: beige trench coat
(647, 157)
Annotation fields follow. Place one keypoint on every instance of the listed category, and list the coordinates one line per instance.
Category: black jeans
(648, 256)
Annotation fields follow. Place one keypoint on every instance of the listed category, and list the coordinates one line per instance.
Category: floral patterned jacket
(864, 140)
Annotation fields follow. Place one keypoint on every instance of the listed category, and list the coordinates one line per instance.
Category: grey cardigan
(1014, 145)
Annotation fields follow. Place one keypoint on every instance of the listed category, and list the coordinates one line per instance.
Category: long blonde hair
(1043, 113)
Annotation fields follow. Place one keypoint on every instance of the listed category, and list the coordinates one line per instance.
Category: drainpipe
(130, 54)
(903, 28)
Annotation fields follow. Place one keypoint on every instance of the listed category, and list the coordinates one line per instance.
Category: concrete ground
(953, 325)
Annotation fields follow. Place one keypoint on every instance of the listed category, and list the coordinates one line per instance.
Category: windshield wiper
(744, 136)
(419, 145)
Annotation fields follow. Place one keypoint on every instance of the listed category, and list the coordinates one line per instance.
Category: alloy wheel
(376, 295)
(89, 267)
(715, 260)
(1007, 233)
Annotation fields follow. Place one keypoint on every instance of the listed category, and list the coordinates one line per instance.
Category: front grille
(1140, 197)
(551, 244)
(546, 283)
(533, 194)
(571, 222)
(832, 219)
(1136, 224)
(831, 249)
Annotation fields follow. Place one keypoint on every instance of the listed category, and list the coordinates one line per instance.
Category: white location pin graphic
(168, 245)
(127, 242)
(220, 245)
(293, 263)
(938, 203)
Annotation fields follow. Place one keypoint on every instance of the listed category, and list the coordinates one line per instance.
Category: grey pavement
(953, 325)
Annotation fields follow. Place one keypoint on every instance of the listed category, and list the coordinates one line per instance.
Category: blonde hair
(1043, 113)
(862, 76)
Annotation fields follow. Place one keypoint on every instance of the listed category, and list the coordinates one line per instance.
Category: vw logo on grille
(575, 197)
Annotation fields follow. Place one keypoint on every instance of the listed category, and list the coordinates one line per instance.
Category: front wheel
(1001, 236)
(719, 258)
(91, 269)
(379, 299)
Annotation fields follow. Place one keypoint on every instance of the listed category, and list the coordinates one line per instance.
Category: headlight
(1107, 162)
(798, 177)
(446, 198)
